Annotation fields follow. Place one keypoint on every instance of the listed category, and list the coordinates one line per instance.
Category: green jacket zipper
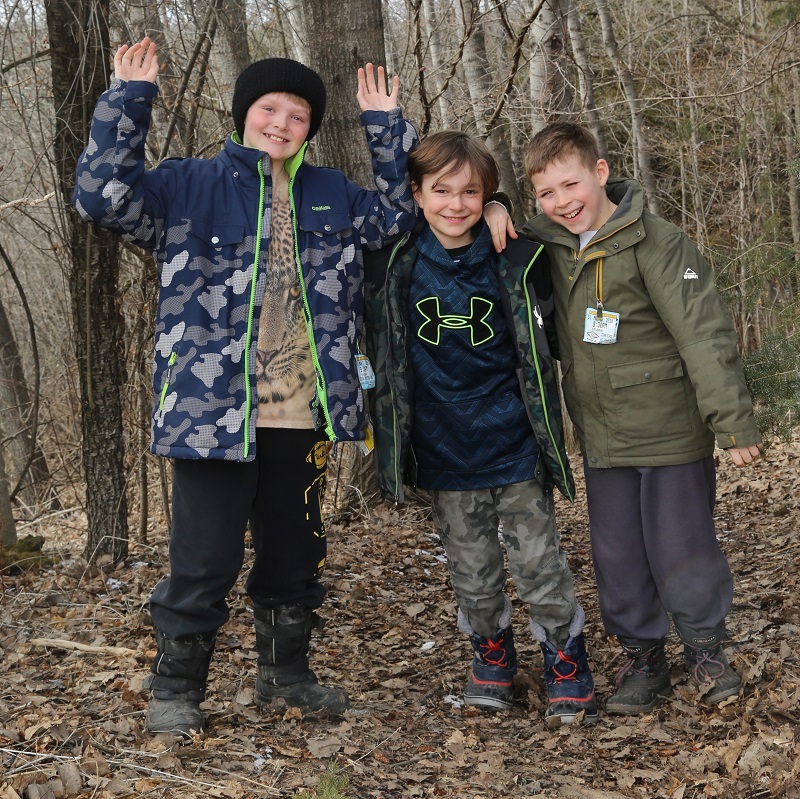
(322, 388)
(398, 483)
(251, 311)
(542, 393)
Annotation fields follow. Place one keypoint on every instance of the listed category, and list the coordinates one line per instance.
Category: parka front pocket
(651, 398)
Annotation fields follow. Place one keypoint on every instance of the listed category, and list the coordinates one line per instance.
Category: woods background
(700, 101)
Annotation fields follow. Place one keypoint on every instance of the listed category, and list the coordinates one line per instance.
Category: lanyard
(598, 287)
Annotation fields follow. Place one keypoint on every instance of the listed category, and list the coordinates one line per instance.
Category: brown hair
(558, 141)
(457, 149)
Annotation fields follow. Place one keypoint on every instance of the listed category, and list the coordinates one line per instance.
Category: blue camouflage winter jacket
(207, 222)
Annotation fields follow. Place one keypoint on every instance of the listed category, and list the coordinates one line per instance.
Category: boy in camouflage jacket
(259, 321)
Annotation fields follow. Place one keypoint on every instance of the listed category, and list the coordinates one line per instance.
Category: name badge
(600, 329)
(366, 375)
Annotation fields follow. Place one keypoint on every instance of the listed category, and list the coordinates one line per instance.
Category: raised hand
(373, 93)
(137, 62)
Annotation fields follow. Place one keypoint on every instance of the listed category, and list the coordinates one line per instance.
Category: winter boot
(177, 684)
(567, 677)
(283, 635)
(494, 663)
(707, 663)
(643, 681)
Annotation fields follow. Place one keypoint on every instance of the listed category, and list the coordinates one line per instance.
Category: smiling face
(452, 203)
(573, 194)
(277, 124)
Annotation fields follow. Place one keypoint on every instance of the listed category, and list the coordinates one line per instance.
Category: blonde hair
(556, 142)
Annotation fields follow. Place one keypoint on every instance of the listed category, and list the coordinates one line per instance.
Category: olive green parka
(672, 381)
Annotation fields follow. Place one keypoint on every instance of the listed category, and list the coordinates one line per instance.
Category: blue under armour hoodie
(470, 427)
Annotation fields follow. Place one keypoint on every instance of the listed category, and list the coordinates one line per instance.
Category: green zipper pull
(170, 363)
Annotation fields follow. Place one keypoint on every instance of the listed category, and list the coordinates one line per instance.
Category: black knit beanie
(278, 75)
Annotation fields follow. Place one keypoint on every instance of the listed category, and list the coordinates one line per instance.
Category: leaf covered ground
(75, 643)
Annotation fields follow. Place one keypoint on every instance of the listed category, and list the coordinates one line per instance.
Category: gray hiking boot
(708, 664)
(283, 635)
(643, 681)
(177, 685)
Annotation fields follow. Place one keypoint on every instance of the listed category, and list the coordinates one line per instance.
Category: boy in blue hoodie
(466, 405)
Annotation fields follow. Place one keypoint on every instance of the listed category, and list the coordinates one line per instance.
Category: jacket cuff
(384, 118)
(744, 438)
(503, 199)
(138, 89)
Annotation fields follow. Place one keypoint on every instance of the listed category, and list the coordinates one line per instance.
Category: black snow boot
(707, 663)
(643, 681)
(494, 664)
(177, 684)
(283, 635)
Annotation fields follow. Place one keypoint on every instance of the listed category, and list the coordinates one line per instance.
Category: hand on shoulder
(500, 224)
(373, 93)
(137, 62)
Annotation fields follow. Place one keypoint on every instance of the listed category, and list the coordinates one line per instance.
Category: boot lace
(709, 665)
(569, 675)
(635, 665)
(494, 652)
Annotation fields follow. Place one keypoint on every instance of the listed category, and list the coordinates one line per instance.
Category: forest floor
(75, 644)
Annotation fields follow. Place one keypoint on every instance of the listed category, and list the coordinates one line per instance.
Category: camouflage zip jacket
(528, 307)
(207, 222)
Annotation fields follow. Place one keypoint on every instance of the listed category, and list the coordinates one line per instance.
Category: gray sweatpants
(468, 524)
(655, 550)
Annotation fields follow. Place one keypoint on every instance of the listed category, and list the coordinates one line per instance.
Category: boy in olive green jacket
(652, 379)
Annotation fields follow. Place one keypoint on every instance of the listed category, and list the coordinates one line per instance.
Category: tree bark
(341, 38)
(431, 27)
(80, 71)
(16, 406)
(551, 97)
(480, 84)
(585, 80)
(8, 528)
(634, 104)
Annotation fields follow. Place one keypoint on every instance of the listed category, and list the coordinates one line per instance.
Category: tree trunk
(341, 38)
(480, 84)
(586, 80)
(78, 31)
(551, 97)
(16, 405)
(431, 27)
(8, 528)
(634, 104)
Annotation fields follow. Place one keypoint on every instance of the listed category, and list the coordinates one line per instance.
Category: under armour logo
(480, 330)
(538, 314)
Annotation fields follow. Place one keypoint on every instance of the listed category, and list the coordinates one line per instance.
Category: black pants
(280, 494)
(655, 550)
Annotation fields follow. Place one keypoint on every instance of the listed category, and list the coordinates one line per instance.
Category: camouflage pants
(468, 523)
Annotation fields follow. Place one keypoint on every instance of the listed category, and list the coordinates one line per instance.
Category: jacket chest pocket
(650, 398)
(324, 223)
(212, 235)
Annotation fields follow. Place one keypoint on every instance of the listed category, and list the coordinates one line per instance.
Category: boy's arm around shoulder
(682, 288)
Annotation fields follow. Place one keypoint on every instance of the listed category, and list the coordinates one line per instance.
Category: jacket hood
(625, 193)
